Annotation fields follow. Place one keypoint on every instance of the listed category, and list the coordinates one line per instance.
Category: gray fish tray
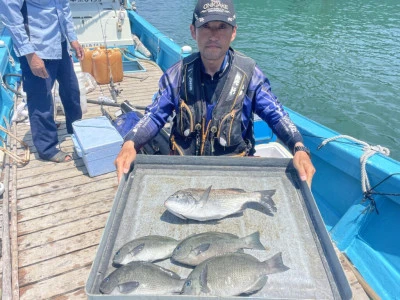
(296, 229)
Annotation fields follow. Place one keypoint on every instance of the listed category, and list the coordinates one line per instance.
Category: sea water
(336, 62)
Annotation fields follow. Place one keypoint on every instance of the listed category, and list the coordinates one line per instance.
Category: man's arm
(12, 18)
(141, 134)
(157, 114)
(125, 158)
(271, 111)
(302, 163)
(11, 15)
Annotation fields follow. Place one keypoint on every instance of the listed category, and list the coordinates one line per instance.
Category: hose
(8, 86)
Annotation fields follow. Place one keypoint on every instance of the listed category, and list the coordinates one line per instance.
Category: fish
(208, 204)
(148, 248)
(231, 274)
(196, 248)
(142, 278)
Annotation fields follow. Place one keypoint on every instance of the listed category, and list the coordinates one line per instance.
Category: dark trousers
(41, 105)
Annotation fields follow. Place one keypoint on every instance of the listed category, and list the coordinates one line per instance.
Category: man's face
(213, 39)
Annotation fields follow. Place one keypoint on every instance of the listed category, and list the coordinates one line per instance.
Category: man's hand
(80, 54)
(37, 65)
(126, 156)
(304, 166)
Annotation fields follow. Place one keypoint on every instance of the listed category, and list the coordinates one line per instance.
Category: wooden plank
(107, 182)
(66, 205)
(67, 230)
(59, 248)
(78, 294)
(56, 286)
(7, 290)
(49, 187)
(64, 217)
(50, 177)
(14, 226)
(360, 288)
(56, 266)
(356, 288)
(52, 168)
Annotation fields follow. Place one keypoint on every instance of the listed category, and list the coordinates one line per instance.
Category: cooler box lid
(97, 137)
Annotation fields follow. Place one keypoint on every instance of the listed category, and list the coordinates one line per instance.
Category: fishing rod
(125, 106)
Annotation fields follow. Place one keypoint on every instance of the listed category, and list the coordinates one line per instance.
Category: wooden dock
(57, 212)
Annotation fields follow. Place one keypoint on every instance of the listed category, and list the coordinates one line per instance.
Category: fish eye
(188, 283)
(118, 252)
(107, 279)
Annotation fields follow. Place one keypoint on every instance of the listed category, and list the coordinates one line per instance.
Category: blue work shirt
(49, 22)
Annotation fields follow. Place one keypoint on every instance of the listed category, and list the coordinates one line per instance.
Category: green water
(336, 62)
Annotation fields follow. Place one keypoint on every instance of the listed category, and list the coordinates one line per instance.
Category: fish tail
(275, 264)
(252, 241)
(266, 200)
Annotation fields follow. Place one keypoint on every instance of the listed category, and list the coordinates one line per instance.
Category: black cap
(214, 10)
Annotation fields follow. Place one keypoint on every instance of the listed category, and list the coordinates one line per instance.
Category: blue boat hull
(6, 95)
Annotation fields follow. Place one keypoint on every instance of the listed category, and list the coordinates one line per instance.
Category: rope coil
(368, 152)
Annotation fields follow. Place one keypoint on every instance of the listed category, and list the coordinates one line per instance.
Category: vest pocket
(185, 123)
(229, 131)
(181, 145)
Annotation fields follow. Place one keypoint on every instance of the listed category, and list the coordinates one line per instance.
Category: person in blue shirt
(213, 95)
(41, 31)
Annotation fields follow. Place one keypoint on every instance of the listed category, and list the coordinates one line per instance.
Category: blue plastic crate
(98, 143)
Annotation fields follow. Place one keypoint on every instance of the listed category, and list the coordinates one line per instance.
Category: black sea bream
(198, 247)
(231, 275)
(208, 204)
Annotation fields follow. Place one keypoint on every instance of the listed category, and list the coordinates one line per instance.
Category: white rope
(368, 152)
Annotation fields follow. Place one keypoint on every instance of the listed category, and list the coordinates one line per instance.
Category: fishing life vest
(222, 135)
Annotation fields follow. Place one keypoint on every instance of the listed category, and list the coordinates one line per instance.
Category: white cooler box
(98, 143)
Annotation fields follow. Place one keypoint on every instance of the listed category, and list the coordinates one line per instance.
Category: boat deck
(58, 213)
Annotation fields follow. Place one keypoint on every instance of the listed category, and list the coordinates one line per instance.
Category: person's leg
(69, 90)
(40, 108)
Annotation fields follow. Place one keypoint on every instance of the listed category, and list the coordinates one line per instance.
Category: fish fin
(258, 285)
(202, 248)
(266, 200)
(135, 251)
(252, 241)
(275, 264)
(128, 287)
(203, 280)
(204, 198)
